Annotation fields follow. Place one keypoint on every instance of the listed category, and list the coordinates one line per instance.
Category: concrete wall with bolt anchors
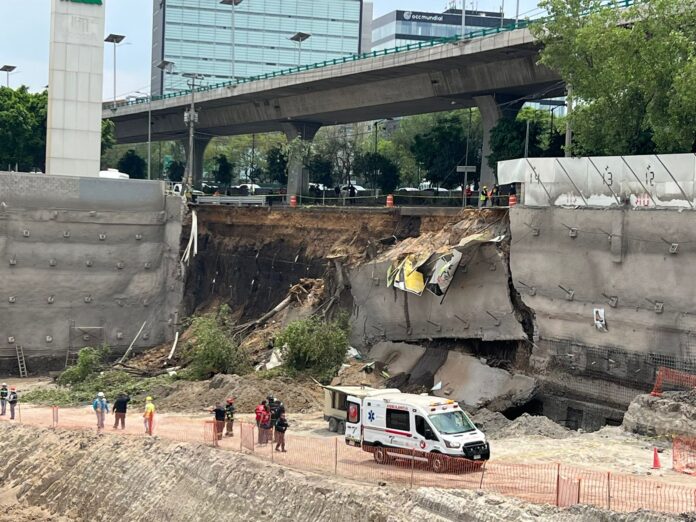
(567, 262)
(85, 262)
(476, 306)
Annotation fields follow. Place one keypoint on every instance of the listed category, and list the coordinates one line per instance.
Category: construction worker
(229, 417)
(149, 416)
(265, 425)
(482, 196)
(219, 413)
(281, 426)
(120, 408)
(259, 411)
(101, 407)
(13, 399)
(4, 392)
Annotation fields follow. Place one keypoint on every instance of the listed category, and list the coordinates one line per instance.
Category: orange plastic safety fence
(684, 455)
(247, 434)
(672, 379)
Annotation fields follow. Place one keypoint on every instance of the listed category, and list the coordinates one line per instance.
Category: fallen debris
(674, 413)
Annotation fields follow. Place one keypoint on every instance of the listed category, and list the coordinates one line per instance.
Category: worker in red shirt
(265, 426)
(259, 412)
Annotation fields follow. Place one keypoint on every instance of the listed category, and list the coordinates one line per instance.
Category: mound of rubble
(299, 396)
(674, 413)
(496, 426)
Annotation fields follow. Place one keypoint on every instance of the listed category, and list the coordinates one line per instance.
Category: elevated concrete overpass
(495, 73)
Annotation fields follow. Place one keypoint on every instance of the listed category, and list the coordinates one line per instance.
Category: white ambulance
(387, 424)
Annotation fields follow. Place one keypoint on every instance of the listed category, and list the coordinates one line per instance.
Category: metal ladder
(21, 362)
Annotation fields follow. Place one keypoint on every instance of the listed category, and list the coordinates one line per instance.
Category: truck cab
(388, 424)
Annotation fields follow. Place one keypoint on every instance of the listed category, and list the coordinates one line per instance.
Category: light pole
(502, 12)
(114, 39)
(166, 67)
(463, 19)
(299, 37)
(190, 118)
(233, 3)
(8, 69)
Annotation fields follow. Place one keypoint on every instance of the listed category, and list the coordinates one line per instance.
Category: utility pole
(502, 12)
(569, 127)
(191, 118)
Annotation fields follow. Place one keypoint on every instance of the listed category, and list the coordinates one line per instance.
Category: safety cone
(656, 460)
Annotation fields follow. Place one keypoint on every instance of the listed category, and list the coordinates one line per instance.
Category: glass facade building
(199, 36)
(405, 27)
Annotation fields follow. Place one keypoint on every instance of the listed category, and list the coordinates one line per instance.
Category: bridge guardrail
(520, 24)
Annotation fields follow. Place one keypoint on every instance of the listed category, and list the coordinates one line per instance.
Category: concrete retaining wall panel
(129, 275)
(477, 305)
(645, 276)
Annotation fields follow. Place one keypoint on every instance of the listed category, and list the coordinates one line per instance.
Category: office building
(221, 41)
(404, 27)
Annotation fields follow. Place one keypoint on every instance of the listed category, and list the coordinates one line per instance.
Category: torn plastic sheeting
(275, 360)
(407, 277)
(443, 272)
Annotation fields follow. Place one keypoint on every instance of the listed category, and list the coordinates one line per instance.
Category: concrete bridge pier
(492, 109)
(200, 143)
(298, 177)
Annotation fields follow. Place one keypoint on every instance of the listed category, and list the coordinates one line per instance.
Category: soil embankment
(80, 476)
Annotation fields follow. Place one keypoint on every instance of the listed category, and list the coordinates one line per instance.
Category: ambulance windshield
(451, 422)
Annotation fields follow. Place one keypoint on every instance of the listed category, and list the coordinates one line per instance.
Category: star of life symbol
(371, 416)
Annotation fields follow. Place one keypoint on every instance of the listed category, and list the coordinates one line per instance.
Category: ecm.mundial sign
(95, 2)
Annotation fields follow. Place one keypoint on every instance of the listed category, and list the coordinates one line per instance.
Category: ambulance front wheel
(438, 463)
(381, 456)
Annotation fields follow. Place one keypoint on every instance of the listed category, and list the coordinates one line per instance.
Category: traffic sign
(463, 168)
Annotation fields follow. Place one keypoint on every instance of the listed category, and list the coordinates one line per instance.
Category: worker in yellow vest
(149, 416)
(482, 196)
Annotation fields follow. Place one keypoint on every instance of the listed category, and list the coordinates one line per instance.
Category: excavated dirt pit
(80, 476)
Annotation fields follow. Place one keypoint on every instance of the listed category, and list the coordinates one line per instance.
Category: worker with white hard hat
(3, 398)
(101, 408)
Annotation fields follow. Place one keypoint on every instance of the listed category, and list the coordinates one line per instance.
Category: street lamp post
(463, 19)
(8, 69)
(191, 118)
(114, 39)
(233, 3)
(299, 37)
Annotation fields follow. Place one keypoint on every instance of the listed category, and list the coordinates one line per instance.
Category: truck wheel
(438, 463)
(333, 424)
(341, 428)
(380, 455)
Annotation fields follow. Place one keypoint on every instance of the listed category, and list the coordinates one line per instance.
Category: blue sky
(24, 33)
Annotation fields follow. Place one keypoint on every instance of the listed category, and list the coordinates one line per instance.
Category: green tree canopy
(277, 164)
(223, 170)
(176, 170)
(377, 170)
(22, 129)
(633, 72)
(133, 165)
(440, 150)
(320, 170)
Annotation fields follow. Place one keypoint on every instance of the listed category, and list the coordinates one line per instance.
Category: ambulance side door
(353, 421)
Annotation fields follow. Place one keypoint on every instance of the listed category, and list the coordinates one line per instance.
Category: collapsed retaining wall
(84, 262)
